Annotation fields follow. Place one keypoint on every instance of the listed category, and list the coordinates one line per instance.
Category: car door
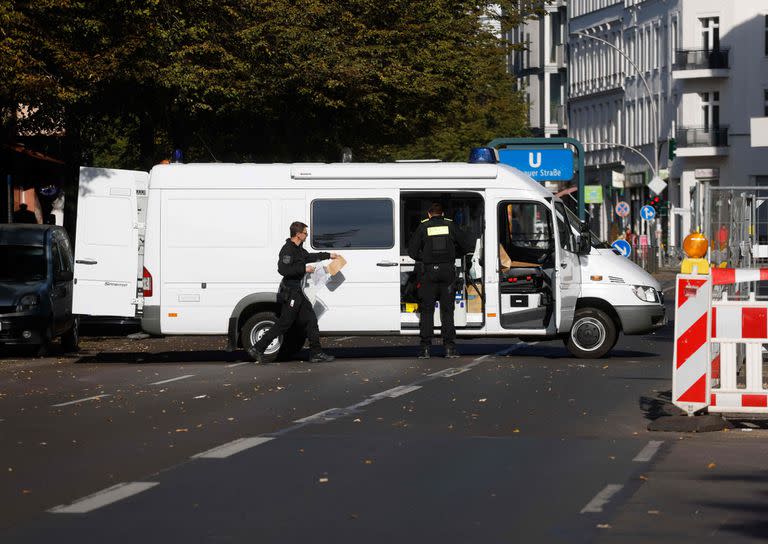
(567, 271)
(360, 225)
(107, 243)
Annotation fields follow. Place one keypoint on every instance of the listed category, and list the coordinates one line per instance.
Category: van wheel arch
(600, 304)
(243, 312)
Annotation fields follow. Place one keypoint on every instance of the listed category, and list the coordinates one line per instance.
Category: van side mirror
(585, 235)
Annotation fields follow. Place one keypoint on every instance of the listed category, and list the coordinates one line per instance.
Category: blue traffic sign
(647, 212)
(623, 247)
(622, 209)
(540, 164)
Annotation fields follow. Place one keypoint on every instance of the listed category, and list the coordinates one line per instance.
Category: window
(352, 224)
(710, 33)
(710, 110)
(563, 230)
(766, 35)
(22, 263)
(765, 102)
(525, 231)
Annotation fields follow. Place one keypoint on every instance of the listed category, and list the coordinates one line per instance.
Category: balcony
(700, 63)
(702, 142)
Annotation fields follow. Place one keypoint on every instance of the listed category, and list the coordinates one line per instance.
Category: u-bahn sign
(540, 164)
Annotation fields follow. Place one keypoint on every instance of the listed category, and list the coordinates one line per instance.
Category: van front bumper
(641, 319)
(13, 327)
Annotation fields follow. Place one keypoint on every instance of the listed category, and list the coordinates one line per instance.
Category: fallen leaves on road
(654, 512)
(603, 526)
(323, 480)
(711, 465)
(182, 430)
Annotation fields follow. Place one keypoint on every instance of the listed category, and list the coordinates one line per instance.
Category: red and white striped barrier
(724, 335)
(690, 373)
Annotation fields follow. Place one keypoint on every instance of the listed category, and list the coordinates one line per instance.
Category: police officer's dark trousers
(296, 309)
(437, 284)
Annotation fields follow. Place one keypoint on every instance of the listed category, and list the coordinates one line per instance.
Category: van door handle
(386, 263)
(86, 261)
(563, 264)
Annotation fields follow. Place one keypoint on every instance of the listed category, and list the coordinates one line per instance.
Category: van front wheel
(592, 334)
(256, 326)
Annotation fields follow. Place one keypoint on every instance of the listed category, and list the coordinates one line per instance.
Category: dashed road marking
(103, 498)
(233, 365)
(647, 453)
(601, 499)
(161, 382)
(449, 372)
(326, 415)
(86, 399)
(231, 448)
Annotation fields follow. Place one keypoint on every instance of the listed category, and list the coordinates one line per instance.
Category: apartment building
(705, 63)
(541, 69)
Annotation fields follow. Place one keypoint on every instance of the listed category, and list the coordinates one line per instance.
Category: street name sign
(540, 164)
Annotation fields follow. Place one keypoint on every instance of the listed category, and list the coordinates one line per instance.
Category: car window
(22, 263)
(563, 228)
(352, 224)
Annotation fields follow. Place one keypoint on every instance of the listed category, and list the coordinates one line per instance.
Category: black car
(36, 272)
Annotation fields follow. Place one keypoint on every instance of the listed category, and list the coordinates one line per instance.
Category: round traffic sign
(647, 212)
(622, 209)
(623, 247)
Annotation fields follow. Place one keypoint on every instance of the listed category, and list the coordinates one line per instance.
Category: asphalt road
(509, 443)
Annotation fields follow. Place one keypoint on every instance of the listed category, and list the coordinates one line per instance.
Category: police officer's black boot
(424, 352)
(320, 357)
(256, 355)
(451, 352)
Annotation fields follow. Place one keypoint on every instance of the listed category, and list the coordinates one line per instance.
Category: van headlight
(646, 294)
(27, 303)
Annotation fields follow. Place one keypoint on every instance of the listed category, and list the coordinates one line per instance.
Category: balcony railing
(701, 137)
(701, 59)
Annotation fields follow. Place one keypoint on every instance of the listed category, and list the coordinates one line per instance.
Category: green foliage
(261, 80)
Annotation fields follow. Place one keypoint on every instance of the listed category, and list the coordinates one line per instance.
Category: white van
(213, 232)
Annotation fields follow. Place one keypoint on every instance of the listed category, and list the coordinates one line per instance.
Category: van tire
(292, 343)
(592, 335)
(70, 340)
(255, 327)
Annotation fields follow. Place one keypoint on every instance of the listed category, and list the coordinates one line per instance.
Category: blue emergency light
(178, 156)
(478, 155)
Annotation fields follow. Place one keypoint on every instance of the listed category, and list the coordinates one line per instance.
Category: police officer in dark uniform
(292, 264)
(433, 247)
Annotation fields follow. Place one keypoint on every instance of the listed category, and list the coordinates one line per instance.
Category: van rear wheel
(592, 334)
(255, 327)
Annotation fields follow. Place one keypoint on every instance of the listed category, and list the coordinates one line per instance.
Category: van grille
(615, 279)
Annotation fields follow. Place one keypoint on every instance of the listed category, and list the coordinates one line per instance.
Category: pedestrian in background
(292, 264)
(433, 247)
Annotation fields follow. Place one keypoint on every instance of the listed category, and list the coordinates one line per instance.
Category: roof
(419, 176)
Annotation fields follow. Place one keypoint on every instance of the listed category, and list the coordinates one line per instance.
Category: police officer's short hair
(297, 227)
(436, 209)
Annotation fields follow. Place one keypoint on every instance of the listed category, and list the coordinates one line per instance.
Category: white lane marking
(103, 498)
(647, 453)
(231, 448)
(449, 372)
(325, 415)
(344, 338)
(601, 499)
(233, 365)
(81, 400)
(404, 391)
(161, 382)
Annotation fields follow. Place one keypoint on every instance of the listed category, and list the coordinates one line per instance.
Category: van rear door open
(107, 242)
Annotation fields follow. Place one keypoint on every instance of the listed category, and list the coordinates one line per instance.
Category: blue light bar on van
(178, 156)
(479, 155)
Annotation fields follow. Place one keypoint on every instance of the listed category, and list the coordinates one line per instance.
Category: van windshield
(22, 263)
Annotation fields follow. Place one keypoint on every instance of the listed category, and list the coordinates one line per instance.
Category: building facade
(705, 63)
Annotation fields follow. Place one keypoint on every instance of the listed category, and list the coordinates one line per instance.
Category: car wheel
(70, 340)
(256, 326)
(592, 334)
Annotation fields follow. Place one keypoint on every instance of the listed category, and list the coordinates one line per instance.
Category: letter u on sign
(535, 163)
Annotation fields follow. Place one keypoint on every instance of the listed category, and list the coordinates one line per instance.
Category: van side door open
(107, 243)
(567, 271)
